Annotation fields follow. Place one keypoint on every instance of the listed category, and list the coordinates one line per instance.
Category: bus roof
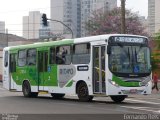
(69, 41)
(40, 44)
(101, 37)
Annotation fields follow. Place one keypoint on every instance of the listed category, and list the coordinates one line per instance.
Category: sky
(12, 11)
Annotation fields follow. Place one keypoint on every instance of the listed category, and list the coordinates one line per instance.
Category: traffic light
(44, 20)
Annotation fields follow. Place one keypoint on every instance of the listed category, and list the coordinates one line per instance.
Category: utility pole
(7, 37)
(123, 26)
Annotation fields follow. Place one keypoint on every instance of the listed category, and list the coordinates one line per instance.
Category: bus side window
(22, 58)
(52, 55)
(63, 55)
(81, 53)
(31, 57)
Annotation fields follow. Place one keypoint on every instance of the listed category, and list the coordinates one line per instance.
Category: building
(2, 27)
(153, 16)
(67, 13)
(157, 16)
(31, 25)
(75, 13)
(87, 8)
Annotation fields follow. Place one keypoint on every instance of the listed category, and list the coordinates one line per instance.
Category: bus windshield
(130, 59)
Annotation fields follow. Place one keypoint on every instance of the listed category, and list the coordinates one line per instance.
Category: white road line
(142, 101)
(150, 98)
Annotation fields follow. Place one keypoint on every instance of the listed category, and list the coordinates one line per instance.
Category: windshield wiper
(136, 52)
(133, 58)
(128, 54)
(135, 55)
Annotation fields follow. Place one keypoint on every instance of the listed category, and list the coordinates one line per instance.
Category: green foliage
(157, 36)
(154, 63)
(157, 40)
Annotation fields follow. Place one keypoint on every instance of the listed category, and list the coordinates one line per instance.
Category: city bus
(114, 65)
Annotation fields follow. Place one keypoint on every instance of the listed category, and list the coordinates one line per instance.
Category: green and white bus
(114, 65)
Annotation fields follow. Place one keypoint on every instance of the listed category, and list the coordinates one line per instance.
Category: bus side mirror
(108, 50)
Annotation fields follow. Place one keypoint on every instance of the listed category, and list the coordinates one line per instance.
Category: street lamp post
(63, 24)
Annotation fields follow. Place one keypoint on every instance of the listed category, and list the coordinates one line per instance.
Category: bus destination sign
(129, 39)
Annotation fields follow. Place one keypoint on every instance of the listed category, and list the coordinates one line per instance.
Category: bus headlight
(113, 82)
(144, 82)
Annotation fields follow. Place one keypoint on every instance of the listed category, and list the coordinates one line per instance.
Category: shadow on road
(105, 100)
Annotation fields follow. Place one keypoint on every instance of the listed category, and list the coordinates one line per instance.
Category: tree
(155, 47)
(110, 22)
(157, 36)
(157, 39)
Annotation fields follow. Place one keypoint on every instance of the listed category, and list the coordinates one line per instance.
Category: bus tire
(83, 94)
(26, 89)
(57, 95)
(118, 98)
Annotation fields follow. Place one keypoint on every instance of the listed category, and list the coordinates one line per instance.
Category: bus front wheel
(118, 98)
(83, 94)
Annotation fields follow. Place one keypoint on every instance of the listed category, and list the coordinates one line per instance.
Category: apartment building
(75, 13)
(87, 8)
(153, 16)
(31, 25)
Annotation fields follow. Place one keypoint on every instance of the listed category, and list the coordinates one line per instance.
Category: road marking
(150, 98)
(142, 101)
(143, 108)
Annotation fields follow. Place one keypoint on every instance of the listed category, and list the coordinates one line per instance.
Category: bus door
(12, 67)
(42, 69)
(6, 77)
(99, 69)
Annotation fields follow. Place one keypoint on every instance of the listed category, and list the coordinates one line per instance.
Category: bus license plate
(132, 91)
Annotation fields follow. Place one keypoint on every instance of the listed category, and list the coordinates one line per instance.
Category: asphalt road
(13, 103)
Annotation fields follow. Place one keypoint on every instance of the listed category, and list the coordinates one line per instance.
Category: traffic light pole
(63, 24)
(44, 20)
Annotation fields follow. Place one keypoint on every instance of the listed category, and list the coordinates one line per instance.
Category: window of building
(81, 54)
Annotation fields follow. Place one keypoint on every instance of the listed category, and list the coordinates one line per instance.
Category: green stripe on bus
(70, 83)
(120, 82)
